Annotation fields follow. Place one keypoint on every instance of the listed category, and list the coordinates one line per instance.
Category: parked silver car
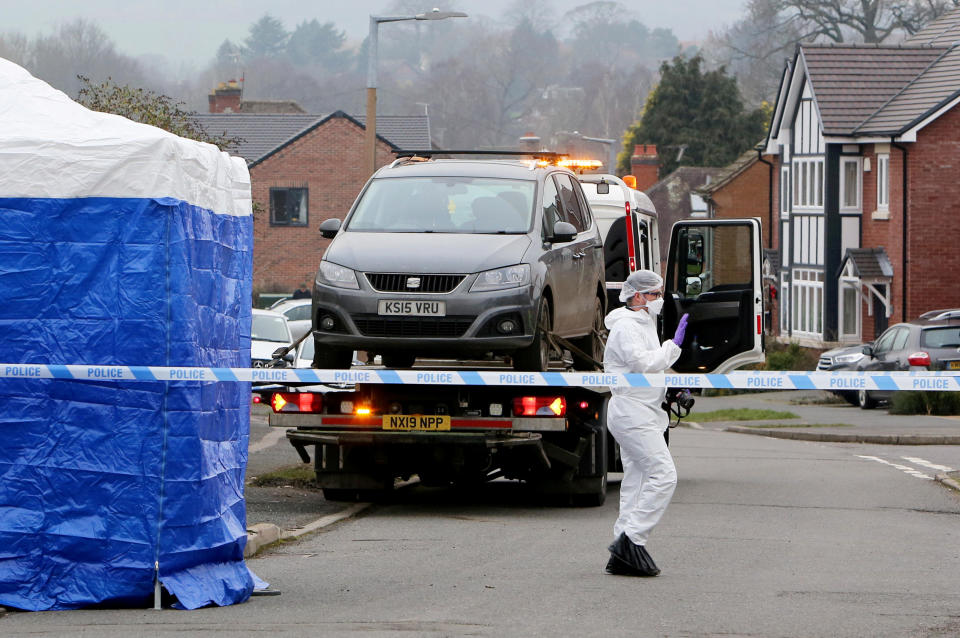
(458, 258)
(297, 312)
(269, 332)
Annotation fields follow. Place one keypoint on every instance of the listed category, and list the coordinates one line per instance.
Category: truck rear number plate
(412, 308)
(420, 422)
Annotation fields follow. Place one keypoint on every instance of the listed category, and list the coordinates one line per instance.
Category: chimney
(226, 97)
(529, 142)
(645, 165)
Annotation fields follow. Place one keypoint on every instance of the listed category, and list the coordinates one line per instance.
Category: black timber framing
(832, 241)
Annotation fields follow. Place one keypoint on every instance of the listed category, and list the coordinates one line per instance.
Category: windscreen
(948, 337)
(445, 205)
(267, 328)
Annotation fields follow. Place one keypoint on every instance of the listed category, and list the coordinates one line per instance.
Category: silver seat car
(460, 258)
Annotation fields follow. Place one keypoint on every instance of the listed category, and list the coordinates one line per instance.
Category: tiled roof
(729, 172)
(869, 263)
(939, 83)
(944, 31)
(851, 82)
(264, 133)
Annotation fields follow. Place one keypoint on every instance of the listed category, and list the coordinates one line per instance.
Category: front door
(713, 273)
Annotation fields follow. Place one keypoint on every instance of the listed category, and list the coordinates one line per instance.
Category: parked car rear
(921, 344)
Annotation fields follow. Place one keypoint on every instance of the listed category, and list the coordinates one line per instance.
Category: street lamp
(371, 136)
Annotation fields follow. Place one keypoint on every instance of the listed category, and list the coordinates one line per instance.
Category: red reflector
(584, 405)
(759, 325)
(256, 398)
(919, 359)
(539, 406)
(296, 402)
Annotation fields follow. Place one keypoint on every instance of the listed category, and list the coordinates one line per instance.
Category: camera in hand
(679, 402)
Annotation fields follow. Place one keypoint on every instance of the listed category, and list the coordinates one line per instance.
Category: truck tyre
(594, 343)
(398, 359)
(328, 358)
(536, 356)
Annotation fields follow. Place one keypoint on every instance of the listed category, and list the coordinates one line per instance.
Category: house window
(849, 309)
(784, 191)
(850, 183)
(288, 206)
(807, 306)
(808, 183)
(784, 304)
(883, 182)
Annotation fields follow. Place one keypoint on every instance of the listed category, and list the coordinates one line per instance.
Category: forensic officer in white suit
(637, 420)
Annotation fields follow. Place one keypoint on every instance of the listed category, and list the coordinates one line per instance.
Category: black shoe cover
(635, 556)
(616, 567)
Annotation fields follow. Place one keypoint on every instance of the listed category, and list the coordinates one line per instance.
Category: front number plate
(955, 365)
(412, 308)
(418, 422)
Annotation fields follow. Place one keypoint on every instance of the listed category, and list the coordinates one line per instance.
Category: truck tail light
(539, 406)
(296, 402)
(919, 359)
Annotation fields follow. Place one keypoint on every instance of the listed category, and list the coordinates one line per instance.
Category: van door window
(644, 239)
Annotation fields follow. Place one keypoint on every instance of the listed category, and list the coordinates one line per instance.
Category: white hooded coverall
(637, 421)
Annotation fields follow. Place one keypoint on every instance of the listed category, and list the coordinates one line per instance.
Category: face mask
(654, 307)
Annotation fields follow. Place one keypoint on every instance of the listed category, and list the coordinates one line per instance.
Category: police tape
(742, 379)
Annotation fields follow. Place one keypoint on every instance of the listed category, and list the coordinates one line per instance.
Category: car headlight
(335, 275)
(502, 278)
(848, 358)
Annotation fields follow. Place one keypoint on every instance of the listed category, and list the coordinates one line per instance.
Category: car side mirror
(694, 286)
(868, 350)
(329, 228)
(563, 232)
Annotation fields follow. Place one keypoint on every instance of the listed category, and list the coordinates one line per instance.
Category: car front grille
(400, 282)
(412, 327)
(825, 363)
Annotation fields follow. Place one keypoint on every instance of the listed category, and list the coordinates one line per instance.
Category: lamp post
(611, 144)
(371, 133)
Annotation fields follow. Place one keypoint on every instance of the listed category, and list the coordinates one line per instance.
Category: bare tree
(15, 47)
(871, 21)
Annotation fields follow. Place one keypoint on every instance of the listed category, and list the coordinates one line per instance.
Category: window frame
(883, 181)
(857, 162)
(287, 189)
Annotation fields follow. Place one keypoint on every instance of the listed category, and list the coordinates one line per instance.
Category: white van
(626, 246)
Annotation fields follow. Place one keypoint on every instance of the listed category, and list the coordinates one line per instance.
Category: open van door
(713, 273)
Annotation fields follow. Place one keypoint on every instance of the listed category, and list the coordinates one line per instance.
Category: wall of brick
(329, 161)
(933, 224)
(747, 195)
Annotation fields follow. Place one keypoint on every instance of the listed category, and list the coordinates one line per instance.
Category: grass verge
(293, 475)
(741, 414)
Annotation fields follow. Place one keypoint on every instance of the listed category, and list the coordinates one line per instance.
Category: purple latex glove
(681, 330)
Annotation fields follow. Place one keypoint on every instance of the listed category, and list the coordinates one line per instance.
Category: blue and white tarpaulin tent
(120, 243)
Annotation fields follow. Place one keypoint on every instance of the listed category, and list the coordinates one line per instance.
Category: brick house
(305, 169)
(867, 146)
(675, 198)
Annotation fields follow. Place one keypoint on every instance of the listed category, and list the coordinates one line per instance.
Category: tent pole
(156, 587)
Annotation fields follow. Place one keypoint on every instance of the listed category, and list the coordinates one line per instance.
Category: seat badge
(413, 282)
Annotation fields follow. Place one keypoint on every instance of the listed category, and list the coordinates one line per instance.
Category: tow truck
(366, 436)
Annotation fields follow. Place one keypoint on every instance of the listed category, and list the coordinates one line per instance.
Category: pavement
(288, 512)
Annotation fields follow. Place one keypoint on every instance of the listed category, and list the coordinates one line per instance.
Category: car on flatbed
(460, 258)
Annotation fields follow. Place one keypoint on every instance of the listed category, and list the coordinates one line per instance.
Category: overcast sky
(189, 31)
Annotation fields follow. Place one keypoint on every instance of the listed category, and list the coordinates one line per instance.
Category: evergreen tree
(694, 118)
(312, 43)
(267, 38)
